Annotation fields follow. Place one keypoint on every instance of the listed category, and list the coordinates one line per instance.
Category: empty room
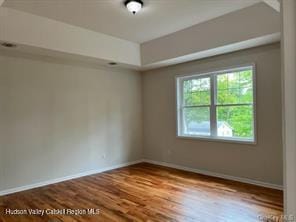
(148, 110)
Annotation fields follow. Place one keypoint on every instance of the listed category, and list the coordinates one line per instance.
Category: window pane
(235, 87)
(235, 121)
(197, 121)
(196, 92)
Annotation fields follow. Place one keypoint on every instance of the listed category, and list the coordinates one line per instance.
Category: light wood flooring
(146, 192)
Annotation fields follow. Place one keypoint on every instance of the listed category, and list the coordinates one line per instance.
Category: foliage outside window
(217, 105)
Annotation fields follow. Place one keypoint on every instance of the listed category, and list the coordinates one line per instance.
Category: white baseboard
(219, 175)
(95, 171)
(57, 180)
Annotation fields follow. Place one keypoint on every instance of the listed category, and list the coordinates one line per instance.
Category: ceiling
(158, 17)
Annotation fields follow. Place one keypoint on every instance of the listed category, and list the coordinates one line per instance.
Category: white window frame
(213, 106)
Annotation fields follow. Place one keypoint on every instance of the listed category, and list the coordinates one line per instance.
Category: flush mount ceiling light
(112, 63)
(133, 5)
(8, 45)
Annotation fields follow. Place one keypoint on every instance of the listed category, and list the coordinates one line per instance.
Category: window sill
(217, 139)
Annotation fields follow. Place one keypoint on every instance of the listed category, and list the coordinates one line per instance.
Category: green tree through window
(236, 89)
(223, 101)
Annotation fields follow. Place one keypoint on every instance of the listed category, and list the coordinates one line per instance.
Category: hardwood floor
(146, 192)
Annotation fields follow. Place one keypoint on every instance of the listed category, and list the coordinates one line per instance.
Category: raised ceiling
(158, 17)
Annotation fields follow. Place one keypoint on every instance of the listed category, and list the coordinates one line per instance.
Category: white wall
(233, 28)
(54, 37)
(59, 119)
(289, 77)
(261, 162)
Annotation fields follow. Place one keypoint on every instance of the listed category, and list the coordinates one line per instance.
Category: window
(217, 105)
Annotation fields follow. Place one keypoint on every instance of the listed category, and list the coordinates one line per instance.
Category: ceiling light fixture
(8, 45)
(112, 63)
(134, 5)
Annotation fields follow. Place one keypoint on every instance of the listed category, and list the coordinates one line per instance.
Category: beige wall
(288, 9)
(261, 162)
(59, 119)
